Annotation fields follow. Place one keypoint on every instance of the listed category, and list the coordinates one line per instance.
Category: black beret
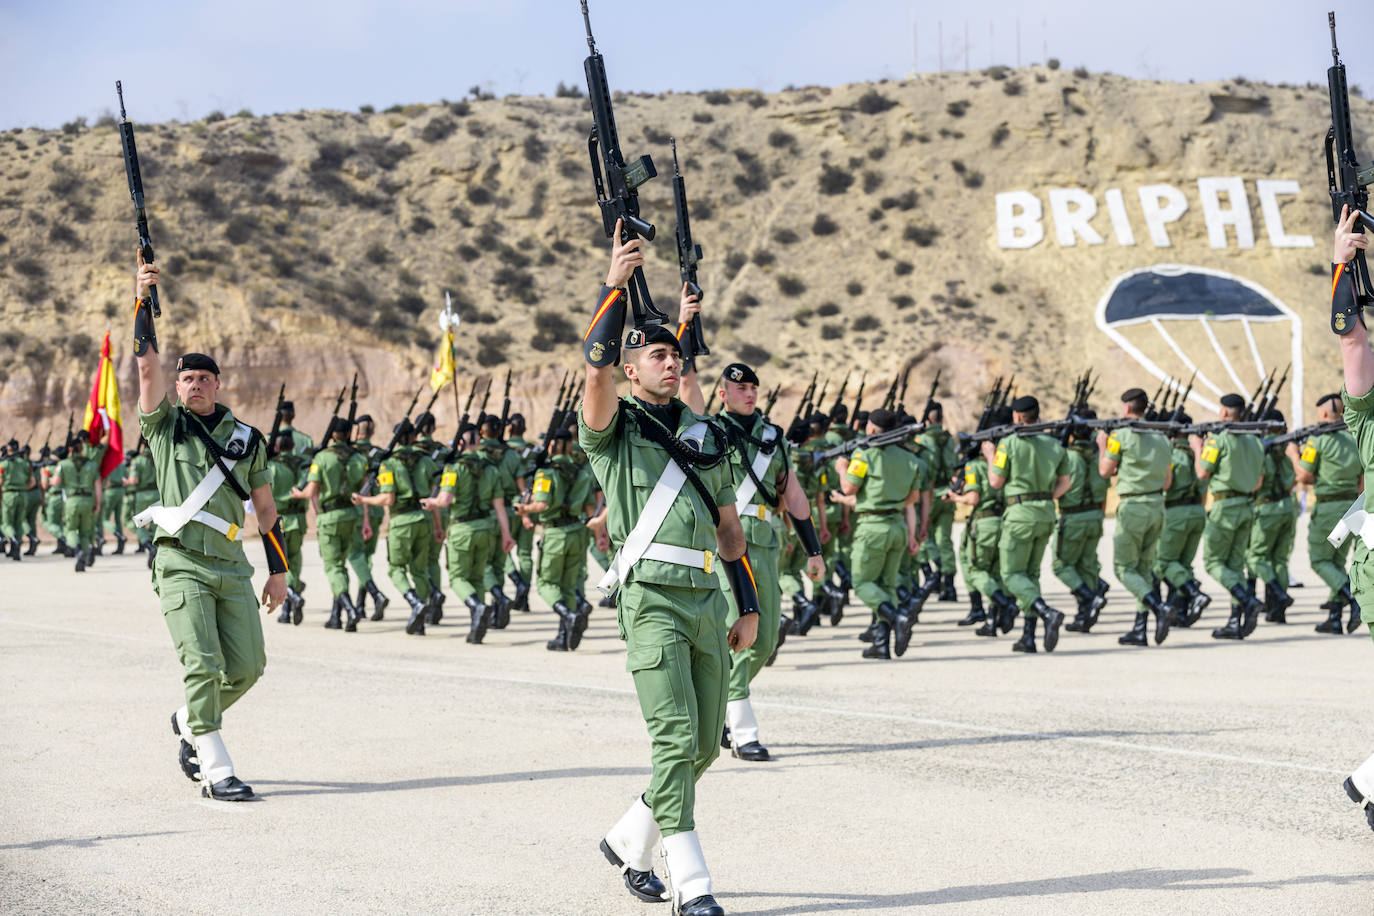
(365, 418)
(424, 419)
(466, 427)
(289, 405)
(516, 418)
(1001, 416)
(820, 418)
(798, 432)
(1088, 413)
(883, 419)
(1025, 404)
(739, 372)
(651, 334)
(1133, 394)
(14, 443)
(935, 407)
(197, 361)
(861, 416)
(1232, 400)
(1327, 397)
(284, 435)
(1274, 413)
(82, 436)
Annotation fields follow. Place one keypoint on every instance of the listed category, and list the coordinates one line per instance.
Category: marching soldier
(1031, 471)
(764, 479)
(1184, 520)
(369, 530)
(336, 472)
(142, 485)
(1081, 514)
(112, 507)
(14, 486)
(1139, 460)
(1272, 531)
(978, 547)
(201, 575)
(942, 454)
(304, 445)
(33, 497)
(1331, 465)
(426, 443)
(506, 461)
(79, 476)
(523, 559)
(672, 612)
(1232, 467)
(55, 502)
(284, 473)
(561, 497)
(883, 486)
(413, 532)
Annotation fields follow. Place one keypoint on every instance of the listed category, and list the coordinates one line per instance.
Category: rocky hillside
(852, 228)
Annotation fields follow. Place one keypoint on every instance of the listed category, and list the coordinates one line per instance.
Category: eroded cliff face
(848, 229)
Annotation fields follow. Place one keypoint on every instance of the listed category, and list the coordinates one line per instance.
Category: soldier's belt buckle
(709, 562)
(233, 532)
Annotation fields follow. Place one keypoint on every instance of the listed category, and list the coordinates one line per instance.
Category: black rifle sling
(741, 440)
(686, 457)
(216, 452)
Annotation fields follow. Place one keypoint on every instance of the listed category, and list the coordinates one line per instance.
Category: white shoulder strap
(172, 520)
(745, 494)
(650, 519)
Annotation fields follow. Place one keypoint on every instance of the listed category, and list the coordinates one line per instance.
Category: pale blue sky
(183, 58)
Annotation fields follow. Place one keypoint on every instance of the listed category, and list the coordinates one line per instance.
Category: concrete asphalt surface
(408, 774)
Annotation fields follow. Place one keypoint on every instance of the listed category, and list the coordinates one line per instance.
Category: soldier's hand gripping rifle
(688, 254)
(378, 455)
(276, 422)
(144, 331)
(617, 183)
(1348, 182)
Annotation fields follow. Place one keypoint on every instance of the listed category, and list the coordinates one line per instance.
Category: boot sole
(1359, 799)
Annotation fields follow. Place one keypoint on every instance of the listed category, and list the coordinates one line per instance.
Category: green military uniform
(1335, 460)
(339, 472)
(410, 474)
(1031, 466)
(112, 505)
(1236, 463)
(1357, 416)
(284, 474)
(886, 477)
(80, 473)
(472, 531)
(942, 454)
(1185, 517)
(364, 546)
(508, 463)
(978, 557)
(202, 577)
(431, 447)
(671, 616)
(15, 475)
(1143, 460)
(1080, 523)
(34, 498)
(301, 444)
(523, 558)
(54, 504)
(566, 491)
(144, 492)
(1272, 532)
(841, 546)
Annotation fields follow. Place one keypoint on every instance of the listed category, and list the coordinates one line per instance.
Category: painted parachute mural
(1175, 320)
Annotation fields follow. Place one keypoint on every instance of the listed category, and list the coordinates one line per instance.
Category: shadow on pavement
(88, 842)
(315, 787)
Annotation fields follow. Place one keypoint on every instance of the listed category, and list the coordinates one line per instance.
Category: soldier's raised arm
(1355, 354)
(152, 387)
(601, 344)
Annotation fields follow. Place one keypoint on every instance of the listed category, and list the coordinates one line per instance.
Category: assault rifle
(890, 399)
(452, 452)
(1258, 397)
(688, 254)
(352, 409)
(135, 175)
(556, 421)
(858, 402)
(1183, 399)
(839, 398)
(901, 396)
(1298, 435)
(820, 398)
(333, 424)
(1273, 400)
(930, 398)
(888, 437)
(67, 443)
(378, 455)
(803, 406)
(563, 391)
(616, 182)
(276, 422)
(1347, 181)
(1238, 427)
(505, 404)
(991, 434)
(771, 399)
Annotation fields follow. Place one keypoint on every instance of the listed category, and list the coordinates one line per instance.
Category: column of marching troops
(483, 500)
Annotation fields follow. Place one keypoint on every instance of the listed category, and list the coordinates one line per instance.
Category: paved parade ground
(406, 775)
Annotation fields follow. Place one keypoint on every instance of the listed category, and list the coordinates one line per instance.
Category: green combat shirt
(1143, 460)
(79, 473)
(180, 467)
(1031, 466)
(565, 488)
(410, 474)
(976, 481)
(1358, 414)
(941, 453)
(1184, 490)
(757, 532)
(281, 480)
(143, 471)
(1279, 477)
(507, 461)
(1235, 462)
(300, 442)
(339, 471)
(1087, 486)
(628, 466)
(16, 474)
(473, 483)
(1334, 460)
(886, 477)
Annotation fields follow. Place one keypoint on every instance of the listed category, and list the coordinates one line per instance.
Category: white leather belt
(762, 513)
(1355, 521)
(703, 560)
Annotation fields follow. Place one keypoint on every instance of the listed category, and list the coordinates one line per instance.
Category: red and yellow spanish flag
(443, 364)
(102, 412)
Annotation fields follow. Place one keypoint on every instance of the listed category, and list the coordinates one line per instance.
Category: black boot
(521, 601)
(81, 563)
(784, 624)
(643, 884)
(297, 603)
(379, 600)
(1006, 618)
(285, 615)
(805, 612)
(477, 626)
(1103, 586)
(61, 548)
(500, 609)
(1136, 637)
(1233, 628)
(867, 635)
(1250, 607)
(1354, 622)
(976, 614)
(578, 625)
(903, 595)
(901, 628)
(120, 541)
(1090, 605)
(1332, 623)
(560, 642)
(947, 592)
(1162, 617)
(14, 550)
(1052, 620)
(33, 546)
(705, 905)
(416, 625)
(1278, 600)
(1027, 641)
(879, 649)
(1197, 601)
(839, 597)
(351, 611)
(994, 611)
(334, 622)
(361, 601)
(583, 606)
(435, 606)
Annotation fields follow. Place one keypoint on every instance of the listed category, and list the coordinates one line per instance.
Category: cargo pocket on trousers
(657, 684)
